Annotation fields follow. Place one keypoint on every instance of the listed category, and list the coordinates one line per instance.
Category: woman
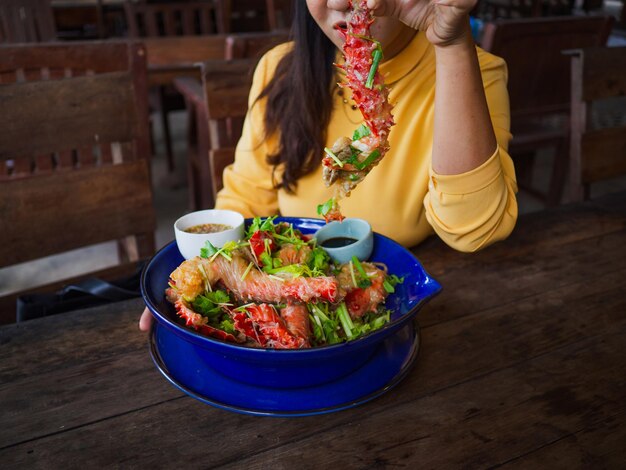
(447, 169)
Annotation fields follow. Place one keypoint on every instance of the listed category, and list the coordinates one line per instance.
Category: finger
(145, 321)
(461, 4)
(378, 7)
(339, 5)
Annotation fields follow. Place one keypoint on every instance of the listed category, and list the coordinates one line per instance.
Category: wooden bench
(74, 153)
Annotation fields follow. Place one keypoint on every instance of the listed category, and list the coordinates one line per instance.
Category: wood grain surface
(521, 365)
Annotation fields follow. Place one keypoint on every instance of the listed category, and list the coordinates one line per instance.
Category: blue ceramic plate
(289, 382)
(386, 368)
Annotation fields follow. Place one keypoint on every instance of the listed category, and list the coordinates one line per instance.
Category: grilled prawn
(247, 283)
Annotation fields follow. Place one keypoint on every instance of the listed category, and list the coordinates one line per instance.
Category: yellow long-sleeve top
(402, 197)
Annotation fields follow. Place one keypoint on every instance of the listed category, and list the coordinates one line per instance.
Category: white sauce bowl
(189, 244)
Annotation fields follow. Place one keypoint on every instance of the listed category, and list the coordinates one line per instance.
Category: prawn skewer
(350, 160)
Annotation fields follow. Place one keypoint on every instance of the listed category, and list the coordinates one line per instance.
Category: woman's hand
(145, 321)
(445, 22)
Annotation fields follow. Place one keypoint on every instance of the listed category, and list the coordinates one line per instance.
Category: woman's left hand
(445, 22)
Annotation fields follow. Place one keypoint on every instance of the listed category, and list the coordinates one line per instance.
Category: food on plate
(208, 228)
(349, 160)
(278, 289)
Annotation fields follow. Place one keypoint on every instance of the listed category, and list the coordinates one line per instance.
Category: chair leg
(165, 123)
(559, 173)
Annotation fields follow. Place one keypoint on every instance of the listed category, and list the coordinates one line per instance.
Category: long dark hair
(299, 99)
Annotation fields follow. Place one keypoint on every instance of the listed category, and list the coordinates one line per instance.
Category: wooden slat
(603, 154)
(44, 163)
(106, 156)
(113, 57)
(138, 70)
(107, 203)
(87, 102)
(169, 22)
(206, 22)
(219, 160)
(184, 49)
(227, 86)
(253, 45)
(593, 446)
(604, 73)
(22, 166)
(150, 22)
(188, 22)
(66, 160)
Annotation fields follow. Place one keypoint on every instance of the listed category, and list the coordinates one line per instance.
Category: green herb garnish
(369, 160)
(377, 56)
(390, 283)
(330, 153)
(361, 131)
(323, 209)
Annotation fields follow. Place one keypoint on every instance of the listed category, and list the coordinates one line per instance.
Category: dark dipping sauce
(338, 242)
(208, 228)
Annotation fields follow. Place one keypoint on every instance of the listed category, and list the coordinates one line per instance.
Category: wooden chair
(225, 89)
(26, 21)
(74, 153)
(214, 133)
(187, 18)
(279, 14)
(195, 18)
(247, 16)
(596, 153)
(539, 87)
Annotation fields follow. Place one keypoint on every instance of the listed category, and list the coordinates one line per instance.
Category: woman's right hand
(145, 321)
(445, 22)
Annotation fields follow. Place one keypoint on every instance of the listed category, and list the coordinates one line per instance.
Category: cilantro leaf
(361, 131)
(208, 250)
(325, 208)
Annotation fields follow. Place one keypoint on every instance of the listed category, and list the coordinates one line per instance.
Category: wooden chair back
(252, 45)
(184, 50)
(258, 15)
(74, 149)
(538, 72)
(26, 21)
(175, 19)
(497, 9)
(596, 153)
(538, 84)
(226, 85)
(279, 14)
(217, 108)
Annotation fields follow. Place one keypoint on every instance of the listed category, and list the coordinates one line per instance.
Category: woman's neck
(399, 41)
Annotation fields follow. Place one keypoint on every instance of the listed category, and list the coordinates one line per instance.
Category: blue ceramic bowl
(197, 364)
(356, 229)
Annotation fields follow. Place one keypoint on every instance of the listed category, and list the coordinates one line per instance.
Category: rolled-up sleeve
(472, 210)
(469, 211)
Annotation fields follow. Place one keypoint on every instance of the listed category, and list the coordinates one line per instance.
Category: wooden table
(522, 363)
